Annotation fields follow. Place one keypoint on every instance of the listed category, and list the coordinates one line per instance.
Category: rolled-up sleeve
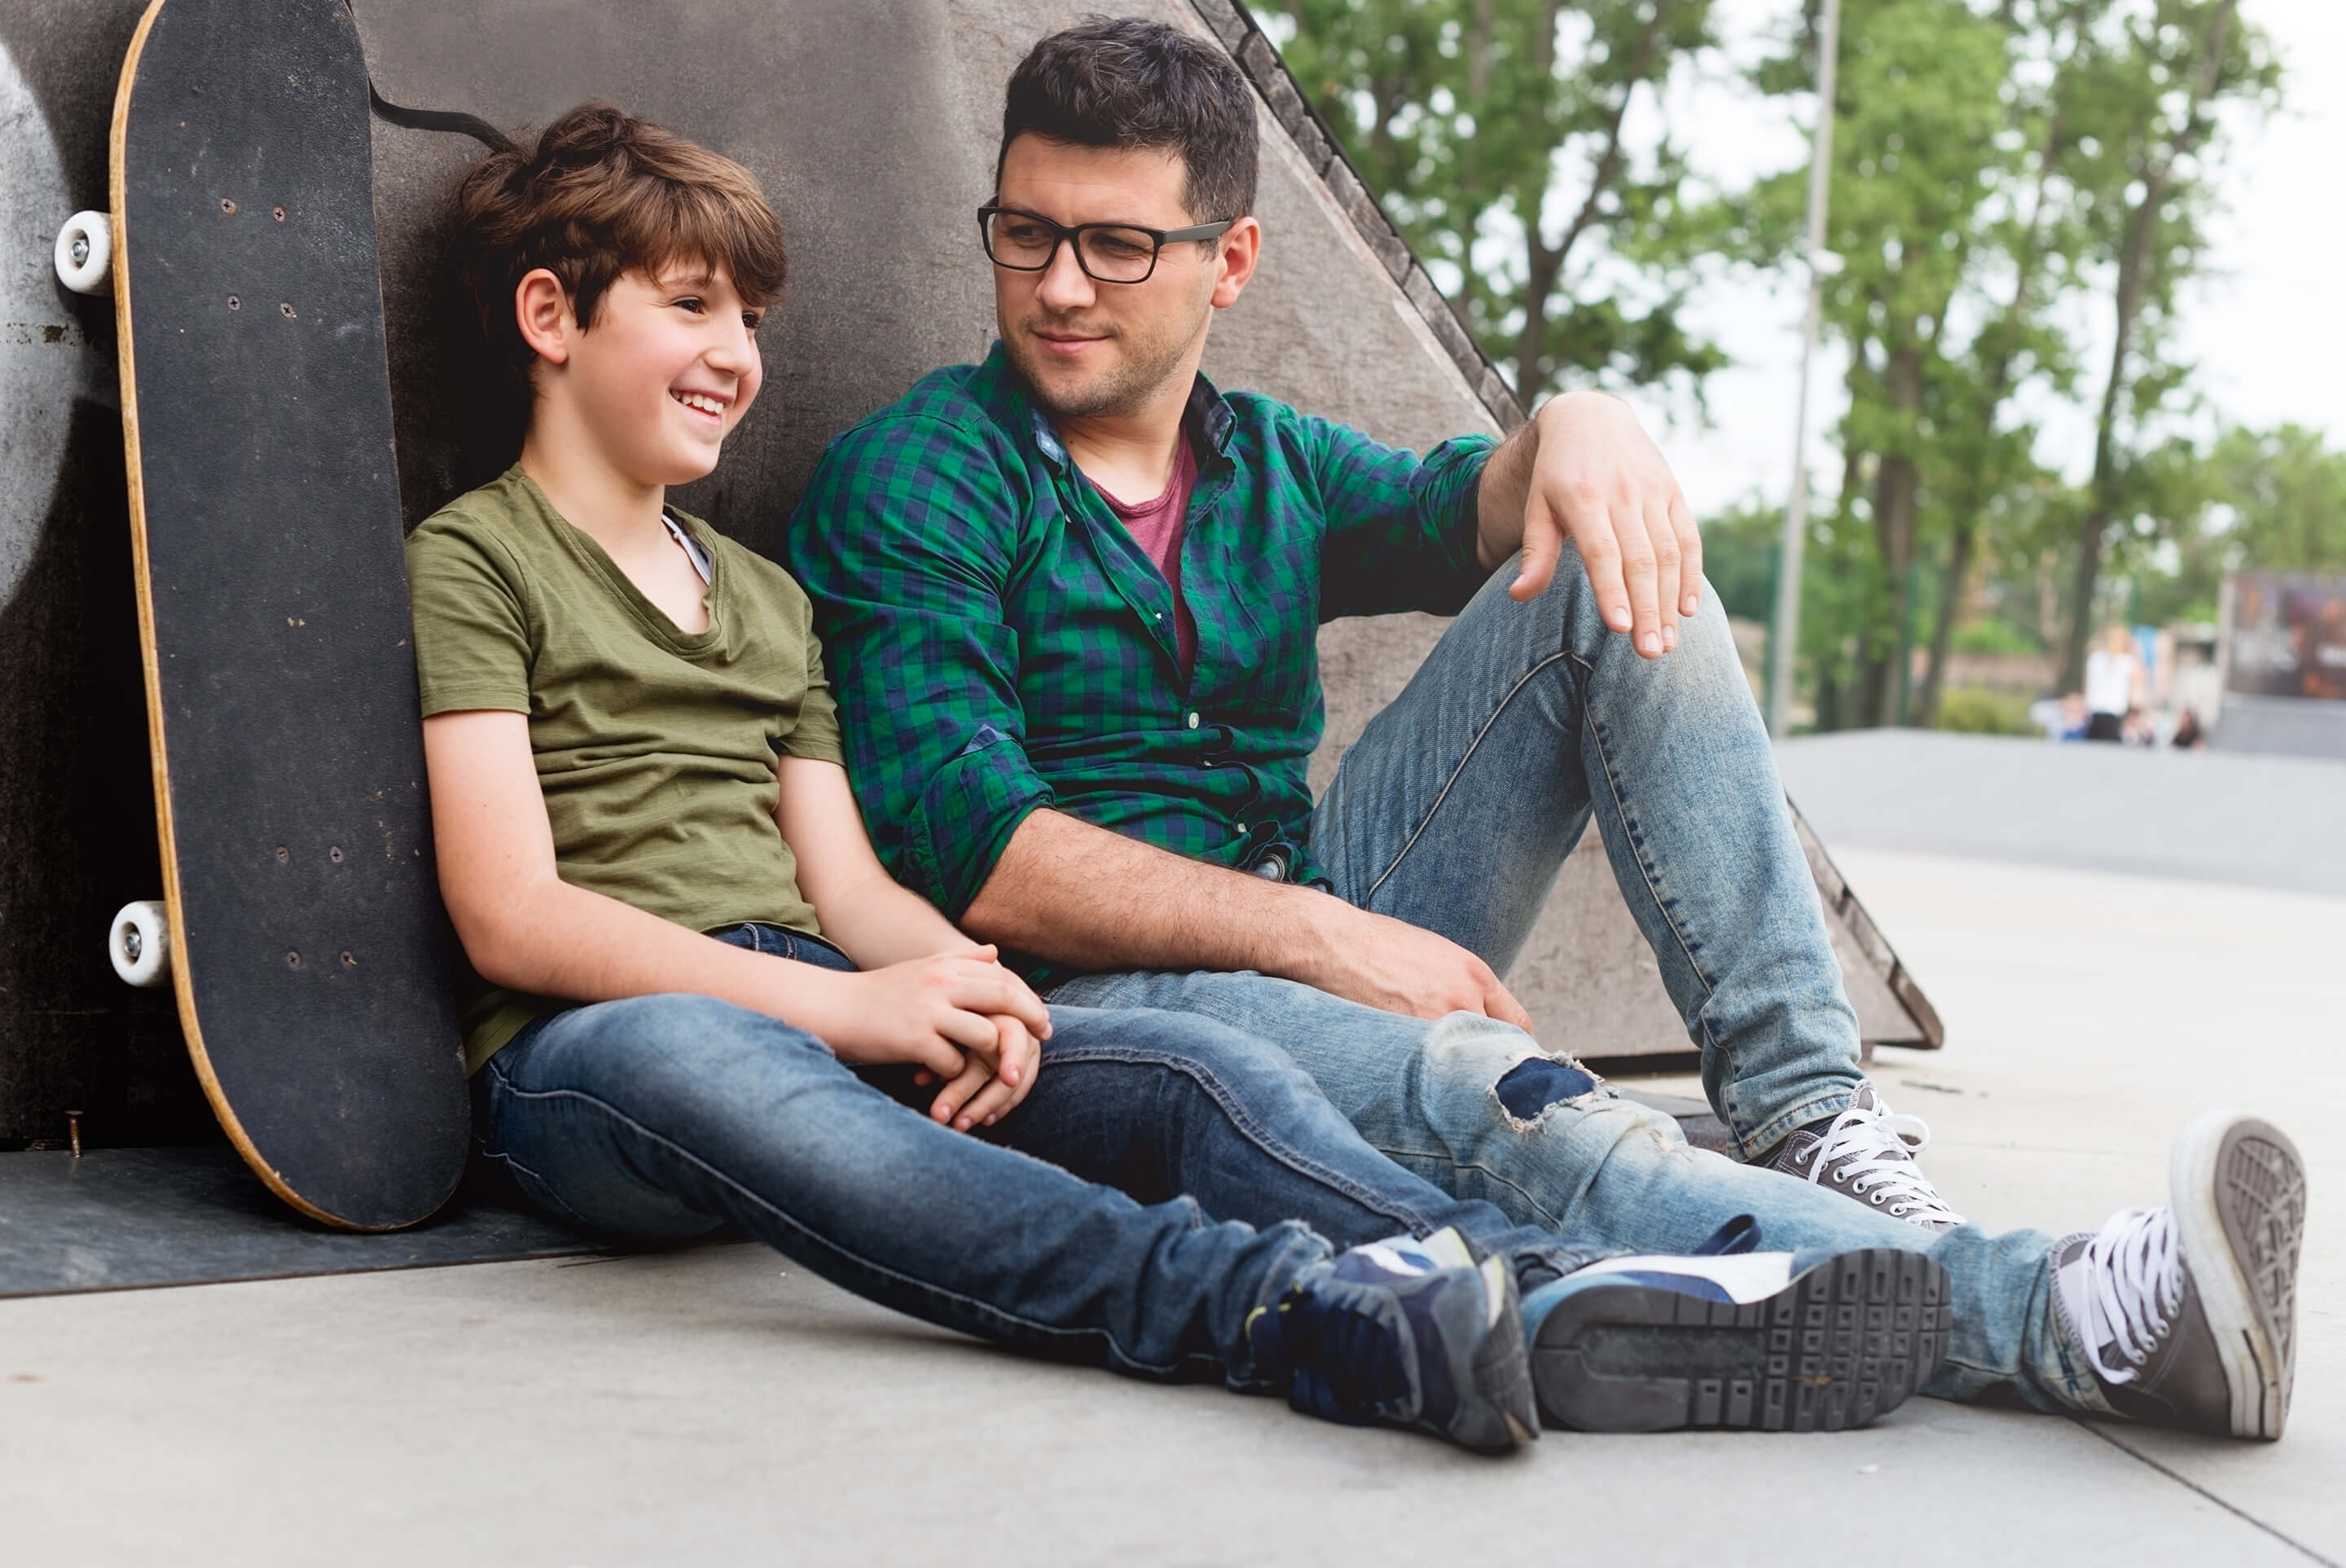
(904, 540)
(1401, 529)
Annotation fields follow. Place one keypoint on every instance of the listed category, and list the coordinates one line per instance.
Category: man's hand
(1397, 967)
(935, 1012)
(1585, 470)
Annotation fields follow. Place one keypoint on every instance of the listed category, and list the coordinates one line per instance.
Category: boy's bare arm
(874, 919)
(526, 929)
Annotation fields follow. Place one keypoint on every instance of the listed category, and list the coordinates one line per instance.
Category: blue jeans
(661, 1119)
(1454, 811)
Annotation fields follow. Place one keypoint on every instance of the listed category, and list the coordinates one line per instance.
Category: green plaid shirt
(999, 643)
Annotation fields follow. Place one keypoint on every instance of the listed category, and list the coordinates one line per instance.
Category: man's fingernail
(1671, 639)
(1651, 642)
(1617, 619)
(1692, 605)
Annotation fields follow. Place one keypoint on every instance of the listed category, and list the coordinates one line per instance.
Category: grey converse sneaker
(2188, 1314)
(1866, 1154)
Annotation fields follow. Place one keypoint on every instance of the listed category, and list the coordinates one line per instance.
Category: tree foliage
(1505, 139)
(2021, 198)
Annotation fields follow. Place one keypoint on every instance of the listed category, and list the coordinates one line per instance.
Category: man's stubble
(1148, 361)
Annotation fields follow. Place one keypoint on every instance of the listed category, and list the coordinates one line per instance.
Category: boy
(652, 855)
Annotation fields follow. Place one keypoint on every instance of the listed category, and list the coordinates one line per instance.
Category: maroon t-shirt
(1156, 526)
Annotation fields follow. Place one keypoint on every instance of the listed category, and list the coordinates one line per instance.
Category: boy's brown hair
(604, 193)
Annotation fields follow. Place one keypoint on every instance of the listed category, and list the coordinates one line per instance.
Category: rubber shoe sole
(2238, 1190)
(1843, 1342)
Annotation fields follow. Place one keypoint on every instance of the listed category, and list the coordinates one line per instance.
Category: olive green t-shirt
(656, 748)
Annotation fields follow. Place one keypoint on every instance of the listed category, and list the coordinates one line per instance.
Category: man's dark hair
(1127, 83)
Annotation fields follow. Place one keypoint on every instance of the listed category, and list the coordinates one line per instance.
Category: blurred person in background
(2112, 673)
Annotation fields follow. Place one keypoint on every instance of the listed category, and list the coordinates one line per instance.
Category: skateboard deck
(308, 949)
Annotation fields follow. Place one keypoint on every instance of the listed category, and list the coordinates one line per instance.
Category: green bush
(1977, 710)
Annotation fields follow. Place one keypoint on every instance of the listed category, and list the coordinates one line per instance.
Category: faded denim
(1454, 811)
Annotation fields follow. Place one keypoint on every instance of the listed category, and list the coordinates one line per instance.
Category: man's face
(666, 369)
(1089, 349)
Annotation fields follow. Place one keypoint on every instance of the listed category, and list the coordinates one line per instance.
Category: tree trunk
(2136, 267)
(1897, 487)
(1543, 263)
(1962, 546)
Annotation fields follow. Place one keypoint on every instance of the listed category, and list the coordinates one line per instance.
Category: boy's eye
(693, 303)
(751, 318)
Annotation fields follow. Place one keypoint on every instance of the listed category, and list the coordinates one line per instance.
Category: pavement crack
(2233, 1509)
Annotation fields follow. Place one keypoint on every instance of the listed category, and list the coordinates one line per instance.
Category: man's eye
(1119, 245)
(1023, 233)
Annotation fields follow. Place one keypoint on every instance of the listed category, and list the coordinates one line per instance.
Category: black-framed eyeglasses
(1107, 252)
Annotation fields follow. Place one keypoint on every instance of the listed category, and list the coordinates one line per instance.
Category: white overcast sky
(2268, 329)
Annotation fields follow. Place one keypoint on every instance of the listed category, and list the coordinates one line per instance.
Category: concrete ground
(720, 1406)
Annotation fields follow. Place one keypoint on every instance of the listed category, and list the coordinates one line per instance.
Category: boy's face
(1089, 349)
(666, 369)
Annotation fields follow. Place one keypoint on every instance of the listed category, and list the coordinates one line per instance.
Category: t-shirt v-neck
(1156, 526)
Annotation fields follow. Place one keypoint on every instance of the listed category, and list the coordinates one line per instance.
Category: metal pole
(1785, 639)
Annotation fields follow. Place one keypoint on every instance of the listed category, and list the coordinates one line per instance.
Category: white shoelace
(2133, 1288)
(1868, 1149)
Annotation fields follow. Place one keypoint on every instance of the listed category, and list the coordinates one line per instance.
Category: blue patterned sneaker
(1411, 1333)
(1776, 1340)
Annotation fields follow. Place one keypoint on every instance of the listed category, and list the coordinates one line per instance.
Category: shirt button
(1193, 721)
(1239, 828)
(1160, 615)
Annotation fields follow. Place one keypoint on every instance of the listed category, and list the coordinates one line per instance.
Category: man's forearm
(1501, 495)
(1078, 894)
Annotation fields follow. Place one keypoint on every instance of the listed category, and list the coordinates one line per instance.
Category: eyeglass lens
(1112, 255)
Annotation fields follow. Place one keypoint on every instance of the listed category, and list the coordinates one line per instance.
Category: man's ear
(1240, 247)
(541, 312)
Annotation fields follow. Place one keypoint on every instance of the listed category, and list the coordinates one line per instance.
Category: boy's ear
(541, 312)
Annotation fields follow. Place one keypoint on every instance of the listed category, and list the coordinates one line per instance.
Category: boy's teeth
(695, 399)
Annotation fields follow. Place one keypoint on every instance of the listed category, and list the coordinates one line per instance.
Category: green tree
(1923, 164)
(1498, 134)
(2163, 71)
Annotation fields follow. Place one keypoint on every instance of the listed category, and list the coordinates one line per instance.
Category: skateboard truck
(139, 942)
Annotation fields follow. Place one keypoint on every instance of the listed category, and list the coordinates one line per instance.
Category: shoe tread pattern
(1844, 1343)
(2261, 1198)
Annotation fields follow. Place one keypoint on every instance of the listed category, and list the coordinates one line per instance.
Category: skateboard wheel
(85, 252)
(139, 942)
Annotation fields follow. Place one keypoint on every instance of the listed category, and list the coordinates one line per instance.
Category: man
(1071, 596)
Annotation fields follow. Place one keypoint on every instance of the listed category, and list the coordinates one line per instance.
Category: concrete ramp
(871, 123)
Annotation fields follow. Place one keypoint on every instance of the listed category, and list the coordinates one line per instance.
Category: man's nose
(1065, 285)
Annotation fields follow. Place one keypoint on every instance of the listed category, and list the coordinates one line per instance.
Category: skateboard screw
(349, 962)
(81, 249)
(227, 206)
(285, 311)
(234, 303)
(335, 854)
(277, 213)
(73, 1131)
(293, 961)
(282, 855)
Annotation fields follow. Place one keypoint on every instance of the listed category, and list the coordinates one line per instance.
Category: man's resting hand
(1401, 968)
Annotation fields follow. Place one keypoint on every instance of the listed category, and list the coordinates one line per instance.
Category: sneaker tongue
(1867, 1098)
